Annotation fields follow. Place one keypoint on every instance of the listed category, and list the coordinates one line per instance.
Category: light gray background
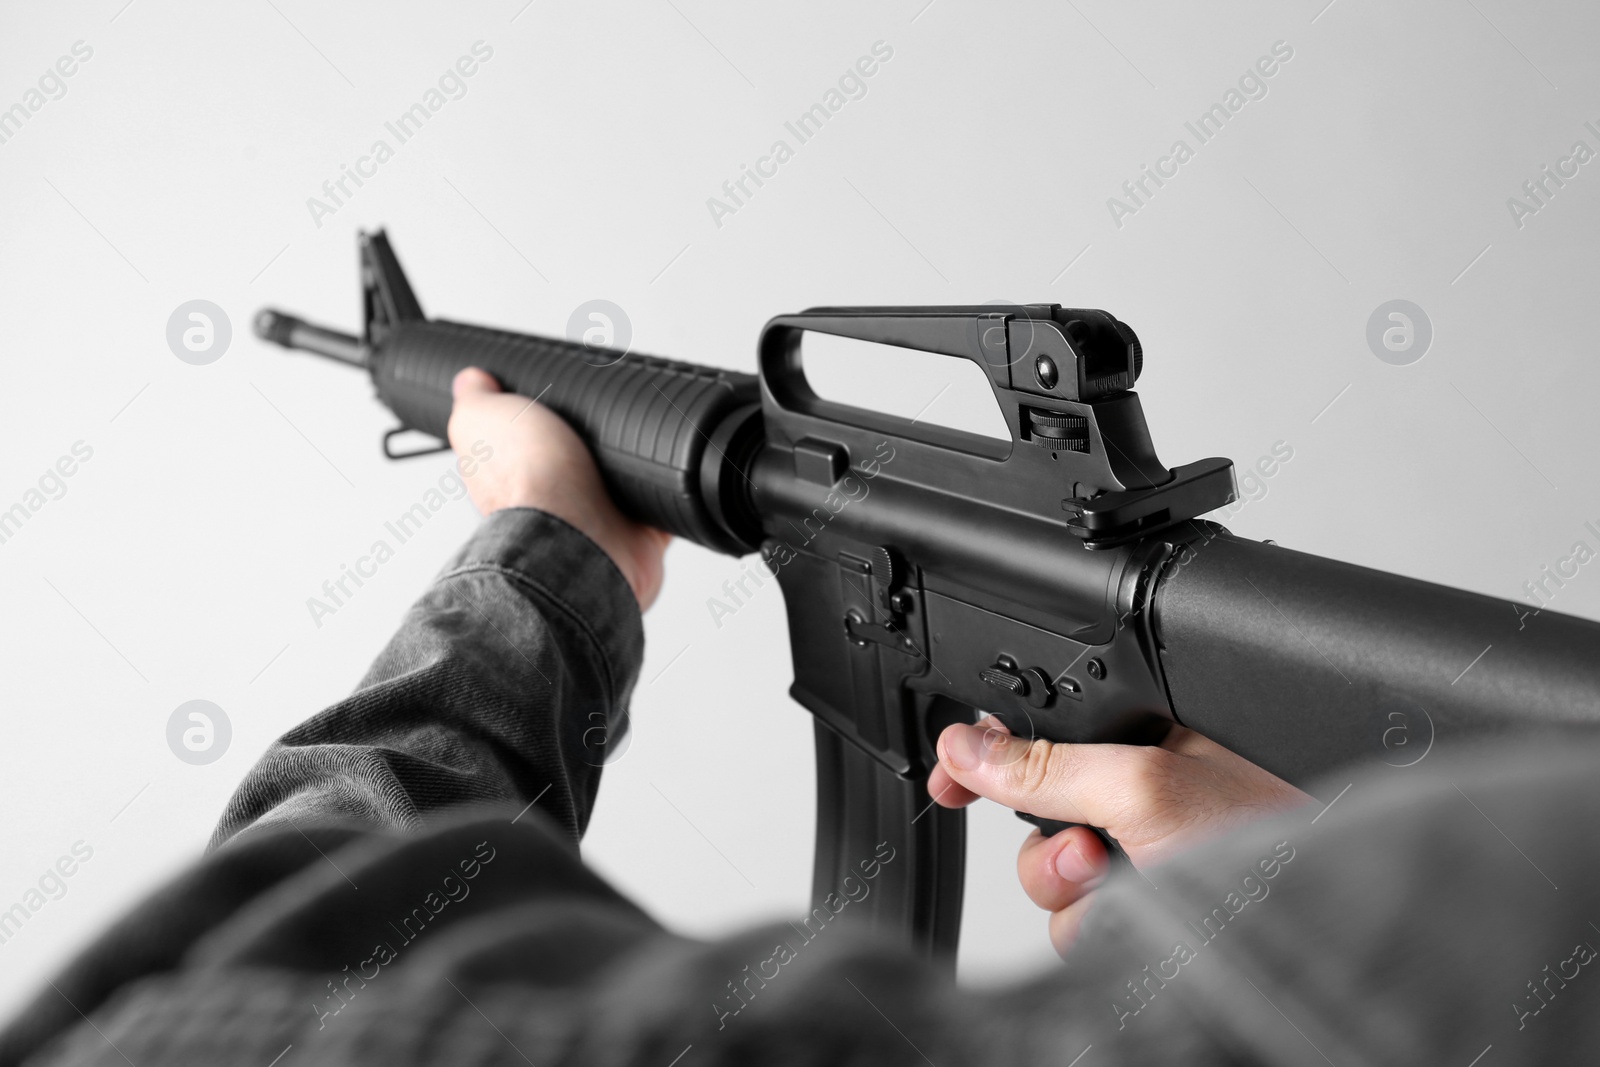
(578, 165)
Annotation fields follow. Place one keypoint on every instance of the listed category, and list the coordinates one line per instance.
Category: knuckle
(1035, 772)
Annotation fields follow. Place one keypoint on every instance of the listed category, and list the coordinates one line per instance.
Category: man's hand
(539, 462)
(1153, 800)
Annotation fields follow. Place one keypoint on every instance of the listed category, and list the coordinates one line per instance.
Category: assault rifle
(1062, 580)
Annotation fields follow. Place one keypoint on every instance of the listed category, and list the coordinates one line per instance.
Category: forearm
(504, 684)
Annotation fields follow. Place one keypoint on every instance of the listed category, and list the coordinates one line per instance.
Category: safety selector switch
(1028, 684)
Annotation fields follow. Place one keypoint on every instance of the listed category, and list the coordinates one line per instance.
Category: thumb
(475, 392)
(473, 381)
(1098, 785)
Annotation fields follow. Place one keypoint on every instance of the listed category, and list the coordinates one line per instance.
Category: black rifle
(1061, 580)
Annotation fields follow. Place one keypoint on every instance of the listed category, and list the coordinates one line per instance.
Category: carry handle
(1041, 353)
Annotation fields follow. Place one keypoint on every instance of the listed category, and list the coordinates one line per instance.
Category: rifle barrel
(290, 332)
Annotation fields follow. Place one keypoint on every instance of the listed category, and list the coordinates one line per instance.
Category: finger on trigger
(1093, 784)
(946, 791)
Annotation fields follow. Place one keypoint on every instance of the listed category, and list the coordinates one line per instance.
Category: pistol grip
(1050, 827)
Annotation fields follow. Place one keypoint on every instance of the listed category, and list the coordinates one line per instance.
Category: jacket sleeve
(508, 682)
